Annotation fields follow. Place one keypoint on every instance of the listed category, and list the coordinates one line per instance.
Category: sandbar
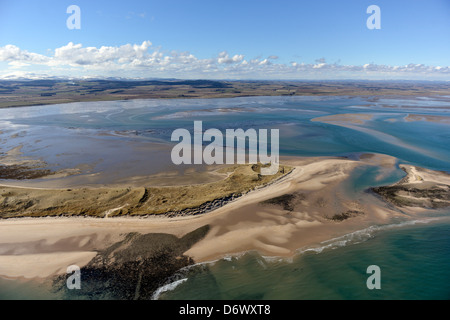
(316, 210)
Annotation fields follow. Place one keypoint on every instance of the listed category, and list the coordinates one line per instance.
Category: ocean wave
(355, 237)
(167, 287)
(360, 236)
(341, 241)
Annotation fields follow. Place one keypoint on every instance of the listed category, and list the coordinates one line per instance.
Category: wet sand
(355, 118)
(248, 223)
(65, 158)
(357, 121)
(425, 117)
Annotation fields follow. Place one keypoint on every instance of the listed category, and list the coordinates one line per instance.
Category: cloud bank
(145, 61)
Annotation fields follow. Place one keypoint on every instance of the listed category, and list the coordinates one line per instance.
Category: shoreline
(107, 202)
(278, 229)
(94, 91)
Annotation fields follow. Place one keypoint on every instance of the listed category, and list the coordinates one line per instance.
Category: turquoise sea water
(414, 261)
(414, 258)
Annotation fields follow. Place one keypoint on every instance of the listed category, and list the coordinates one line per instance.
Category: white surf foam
(360, 236)
(347, 239)
(168, 287)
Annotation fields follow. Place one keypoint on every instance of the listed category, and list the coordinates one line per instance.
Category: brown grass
(101, 202)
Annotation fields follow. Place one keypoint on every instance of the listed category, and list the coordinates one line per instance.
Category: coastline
(242, 225)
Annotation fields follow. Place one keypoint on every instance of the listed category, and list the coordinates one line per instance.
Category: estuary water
(111, 139)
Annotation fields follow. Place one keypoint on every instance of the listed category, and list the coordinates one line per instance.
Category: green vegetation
(39, 92)
(127, 201)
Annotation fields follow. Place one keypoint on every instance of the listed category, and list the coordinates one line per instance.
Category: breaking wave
(167, 287)
(360, 236)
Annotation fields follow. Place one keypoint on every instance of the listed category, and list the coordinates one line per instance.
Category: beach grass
(134, 201)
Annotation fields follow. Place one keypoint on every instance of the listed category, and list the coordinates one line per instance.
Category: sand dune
(274, 228)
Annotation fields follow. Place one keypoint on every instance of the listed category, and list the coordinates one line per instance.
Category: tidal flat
(342, 159)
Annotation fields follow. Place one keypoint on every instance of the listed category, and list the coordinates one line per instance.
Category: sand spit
(297, 210)
(354, 118)
(132, 201)
(420, 188)
(356, 122)
(427, 117)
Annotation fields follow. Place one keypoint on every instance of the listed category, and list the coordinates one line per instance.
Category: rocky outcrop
(133, 268)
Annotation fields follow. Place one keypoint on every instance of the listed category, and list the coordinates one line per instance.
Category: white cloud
(14, 54)
(76, 55)
(143, 60)
(319, 65)
(224, 58)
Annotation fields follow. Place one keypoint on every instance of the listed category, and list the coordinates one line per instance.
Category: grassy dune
(110, 202)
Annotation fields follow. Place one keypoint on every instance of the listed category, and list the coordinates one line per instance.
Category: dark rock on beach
(346, 215)
(21, 172)
(409, 196)
(133, 268)
(286, 201)
(421, 188)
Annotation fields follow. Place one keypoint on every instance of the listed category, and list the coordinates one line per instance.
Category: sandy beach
(264, 220)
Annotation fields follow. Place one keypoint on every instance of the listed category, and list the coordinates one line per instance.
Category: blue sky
(290, 39)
